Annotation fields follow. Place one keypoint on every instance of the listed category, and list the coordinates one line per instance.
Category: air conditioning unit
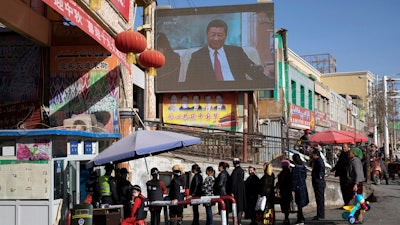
(80, 122)
(86, 122)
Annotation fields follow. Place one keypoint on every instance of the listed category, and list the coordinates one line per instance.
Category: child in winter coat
(139, 208)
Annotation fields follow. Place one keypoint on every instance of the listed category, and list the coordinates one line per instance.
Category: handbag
(261, 203)
(277, 198)
(293, 205)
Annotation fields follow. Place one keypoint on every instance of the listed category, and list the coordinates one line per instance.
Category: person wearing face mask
(176, 194)
(155, 190)
(139, 208)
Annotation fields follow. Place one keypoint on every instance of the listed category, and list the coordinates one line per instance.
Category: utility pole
(386, 128)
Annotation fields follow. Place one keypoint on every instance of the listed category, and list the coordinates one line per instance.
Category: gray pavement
(385, 211)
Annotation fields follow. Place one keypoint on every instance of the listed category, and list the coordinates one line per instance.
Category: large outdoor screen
(224, 48)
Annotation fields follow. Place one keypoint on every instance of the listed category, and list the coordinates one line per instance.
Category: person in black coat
(299, 187)
(222, 184)
(305, 142)
(195, 190)
(340, 170)
(124, 188)
(155, 192)
(318, 183)
(176, 194)
(267, 185)
(251, 185)
(285, 189)
(238, 188)
(93, 188)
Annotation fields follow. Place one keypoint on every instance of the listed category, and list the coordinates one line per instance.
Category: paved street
(386, 211)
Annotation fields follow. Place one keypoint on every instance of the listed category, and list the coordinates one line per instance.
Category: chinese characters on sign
(301, 118)
(80, 18)
(212, 110)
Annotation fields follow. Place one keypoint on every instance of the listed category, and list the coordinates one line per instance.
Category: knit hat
(285, 163)
(357, 152)
(177, 168)
(154, 171)
(137, 188)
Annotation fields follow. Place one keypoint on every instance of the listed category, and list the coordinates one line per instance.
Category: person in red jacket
(139, 208)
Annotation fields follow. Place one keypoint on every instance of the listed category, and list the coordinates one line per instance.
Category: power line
(191, 3)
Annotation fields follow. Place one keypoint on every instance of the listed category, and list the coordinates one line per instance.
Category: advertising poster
(24, 179)
(301, 118)
(83, 80)
(322, 119)
(211, 110)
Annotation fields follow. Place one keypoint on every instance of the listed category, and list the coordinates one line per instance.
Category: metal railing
(226, 145)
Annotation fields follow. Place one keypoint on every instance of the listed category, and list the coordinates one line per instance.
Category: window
(293, 87)
(266, 94)
(302, 96)
(310, 100)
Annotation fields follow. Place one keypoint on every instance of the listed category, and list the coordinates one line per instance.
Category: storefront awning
(58, 132)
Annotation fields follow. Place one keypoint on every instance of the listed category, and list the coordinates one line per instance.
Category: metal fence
(226, 145)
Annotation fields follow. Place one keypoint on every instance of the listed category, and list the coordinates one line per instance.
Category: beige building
(357, 88)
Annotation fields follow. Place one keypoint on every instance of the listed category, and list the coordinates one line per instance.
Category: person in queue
(318, 183)
(139, 208)
(285, 189)
(176, 194)
(238, 188)
(299, 187)
(156, 189)
(355, 176)
(208, 185)
(251, 185)
(108, 186)
(340, 170)
(195, 190)
(124, 188)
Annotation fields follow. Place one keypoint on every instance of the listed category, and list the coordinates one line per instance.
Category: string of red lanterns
(132, 42)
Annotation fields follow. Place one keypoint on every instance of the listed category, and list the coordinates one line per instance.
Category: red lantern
(152, 59)
(130, 42)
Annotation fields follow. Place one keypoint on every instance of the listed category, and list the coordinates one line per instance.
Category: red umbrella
(359, 137)
(331, 137)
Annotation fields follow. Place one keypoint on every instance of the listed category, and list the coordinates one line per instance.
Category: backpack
(141, 214)
(216, 187)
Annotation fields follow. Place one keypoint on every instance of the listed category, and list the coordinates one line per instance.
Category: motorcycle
(376, 170)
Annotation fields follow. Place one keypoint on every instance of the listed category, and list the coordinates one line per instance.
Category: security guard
(108, 187)
(155, 190)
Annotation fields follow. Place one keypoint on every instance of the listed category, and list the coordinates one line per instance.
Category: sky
(362, 35)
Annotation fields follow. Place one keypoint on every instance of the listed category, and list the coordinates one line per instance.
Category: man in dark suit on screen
(217, 62)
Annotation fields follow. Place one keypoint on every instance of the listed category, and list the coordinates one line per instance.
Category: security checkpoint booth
(43, 173)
